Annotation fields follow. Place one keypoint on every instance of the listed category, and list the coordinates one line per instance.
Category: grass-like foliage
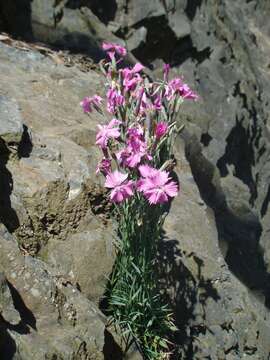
(134, 301)
(137, 161)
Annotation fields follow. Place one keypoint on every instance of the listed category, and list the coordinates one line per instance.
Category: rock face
(215, 256)
(43, 316)
(11, 131)
(49, 203)
(218, 316)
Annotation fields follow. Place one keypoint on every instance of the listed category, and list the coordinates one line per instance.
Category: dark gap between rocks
(206, 139)
(160, 41)
(184, 50)
(192, 7)
(15, 18)
(105, 10)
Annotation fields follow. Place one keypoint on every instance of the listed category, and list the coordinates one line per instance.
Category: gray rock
(137, 38)
(77, 29)
(82, 261)
(216, 315)
(137, 11)
(11, 124)
(56, 181)
(7, 309)
(47, 305)
(56, 201)
(179, 24)
(218, 238)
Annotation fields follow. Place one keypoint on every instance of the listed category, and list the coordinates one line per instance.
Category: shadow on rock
(7, 344)
(241, 234)
(183, 289)
(8, 215)
(105, 10)
(15, 18)
(111, 349)
(78, 43)
(25, 146)
(27, 320)
(27, 317)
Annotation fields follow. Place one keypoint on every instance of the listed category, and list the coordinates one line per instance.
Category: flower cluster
(136, 143)
(89, 103)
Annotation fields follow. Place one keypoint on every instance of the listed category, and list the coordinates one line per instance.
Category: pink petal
(121, 50)
(142, 185)
(160, 178)
(113, 133)
(147, 171)
(137, 68)
(111, 54)
(104, 166)
(166, 70)
(114, 122)
(107, 46)
(116, 195)
(133, 160)
(128, 187)
(156, 197)
(97, 100)
(102, 141)
(115, 178)
(171, 188)
(161, 129)
(110, 181)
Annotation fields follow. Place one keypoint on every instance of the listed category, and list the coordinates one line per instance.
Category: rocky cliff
(56, 244)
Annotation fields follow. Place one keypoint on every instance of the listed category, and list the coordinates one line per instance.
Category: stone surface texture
(52, 204)
(56, 235)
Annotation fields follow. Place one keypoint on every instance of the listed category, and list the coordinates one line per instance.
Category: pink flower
(135, 132)
(157, 105)
(176, 86)
(132, 155)
(147, 104)
(144, 104)
(131, 84)
(187, 93)
(121, 188)
(156, 186)
(104, 166)
(131, 77)
(147, 171)
(106, 132)
(113, 49)
(114, 100)
(136, 149)
(137, 68)
(166, 70)
(161, 129)
(127, 73)
(88, 102)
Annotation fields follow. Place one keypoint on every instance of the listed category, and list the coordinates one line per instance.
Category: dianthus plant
(137, 163)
